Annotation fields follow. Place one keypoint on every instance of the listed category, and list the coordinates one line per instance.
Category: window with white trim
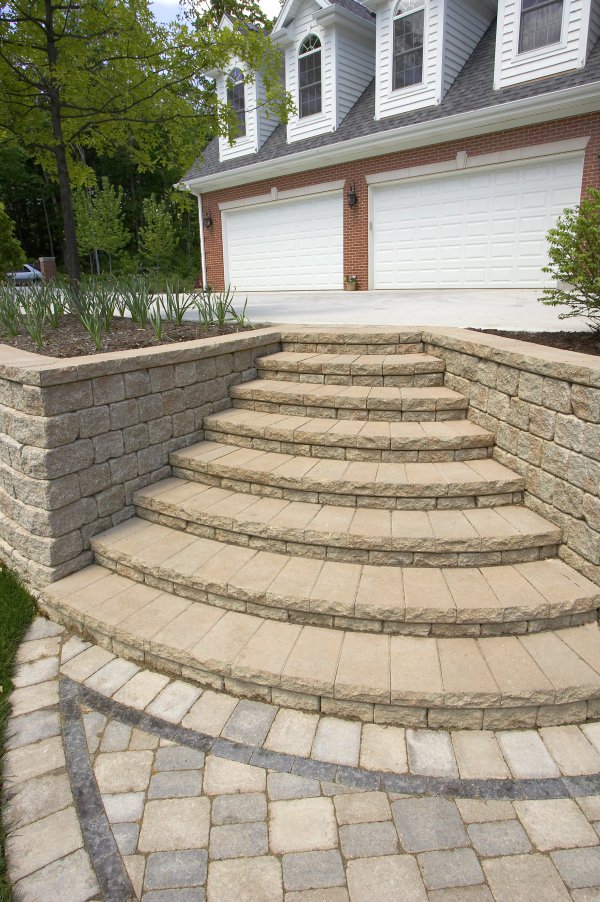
(541, 24)
(309, 77)
(236, 99)
(408, 43)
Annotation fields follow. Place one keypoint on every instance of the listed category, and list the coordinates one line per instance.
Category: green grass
(17, 609)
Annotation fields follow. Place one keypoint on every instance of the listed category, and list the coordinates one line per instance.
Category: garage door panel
(286, 244)
(471, 229)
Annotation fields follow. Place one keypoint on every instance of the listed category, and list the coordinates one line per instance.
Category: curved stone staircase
(343, 541)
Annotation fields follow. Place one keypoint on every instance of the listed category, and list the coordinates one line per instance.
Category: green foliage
(137, 299)
(99, 77)
(30, 201)
(574, 254)
(96, 302)
(156, 320)
(216, 308)
(87, 309)
(176, 304)
(10, 310)
(17, 610)
(34, 317)
(54, 301)
(11, 253)
(99, 217)
(158, 238)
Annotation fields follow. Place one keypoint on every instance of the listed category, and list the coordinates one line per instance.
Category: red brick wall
(356, 219)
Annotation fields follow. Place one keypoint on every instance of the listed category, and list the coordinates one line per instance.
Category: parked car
(25, 276)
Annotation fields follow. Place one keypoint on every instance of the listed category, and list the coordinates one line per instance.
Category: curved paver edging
(99, 840)
(356, 777)
(46, 863)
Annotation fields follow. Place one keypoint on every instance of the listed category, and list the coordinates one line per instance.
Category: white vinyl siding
(286, 245)
(465, 23)
(247, 144)
(259, 123)
(355, 68)
(484, 228)
(266, 121)
(428, 93)
(514, 68)
(303, 25)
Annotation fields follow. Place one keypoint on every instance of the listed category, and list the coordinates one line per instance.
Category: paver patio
(107, 801)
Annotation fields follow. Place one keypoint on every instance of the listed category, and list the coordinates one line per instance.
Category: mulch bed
(71, 340)
(582, 342)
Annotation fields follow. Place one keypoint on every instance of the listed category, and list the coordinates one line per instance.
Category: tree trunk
(48, 229)
(66, 198)
(60, 155)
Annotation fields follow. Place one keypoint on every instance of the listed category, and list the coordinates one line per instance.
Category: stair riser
(417, 552)
(269, 607)
(323, 346)
(399, 381)
(238, 683)
(385, 499)
(296, 445)
(349, 413)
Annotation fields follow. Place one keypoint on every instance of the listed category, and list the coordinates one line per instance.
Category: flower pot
(350, 286)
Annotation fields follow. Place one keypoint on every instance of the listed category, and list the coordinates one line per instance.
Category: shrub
(575, 261)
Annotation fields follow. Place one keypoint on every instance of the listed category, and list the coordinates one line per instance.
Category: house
(434, 143)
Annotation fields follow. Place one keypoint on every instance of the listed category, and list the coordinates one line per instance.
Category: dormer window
(409, 30)
(541, 23)
(236, 99)
(309, 77)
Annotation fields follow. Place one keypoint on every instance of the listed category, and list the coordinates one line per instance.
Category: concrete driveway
(480, 309)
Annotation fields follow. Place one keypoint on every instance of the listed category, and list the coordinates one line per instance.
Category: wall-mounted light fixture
(207, 220)
(352, 196)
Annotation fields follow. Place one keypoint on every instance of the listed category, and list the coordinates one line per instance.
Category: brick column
(48, 268)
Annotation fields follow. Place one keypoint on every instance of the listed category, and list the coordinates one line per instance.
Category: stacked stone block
(544, 409)
(81, 436)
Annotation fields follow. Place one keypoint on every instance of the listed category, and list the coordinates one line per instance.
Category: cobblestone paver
(282, 805)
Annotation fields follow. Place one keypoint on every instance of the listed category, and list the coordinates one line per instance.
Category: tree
(11, 253)
(99, 220)
(158, 239)
(30, 201)
(205, 12)
(99, 74)
(574, 254)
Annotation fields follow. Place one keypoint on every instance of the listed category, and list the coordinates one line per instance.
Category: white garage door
(286, 245)
(483, 228)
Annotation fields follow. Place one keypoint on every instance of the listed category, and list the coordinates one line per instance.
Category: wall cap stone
(38, 370)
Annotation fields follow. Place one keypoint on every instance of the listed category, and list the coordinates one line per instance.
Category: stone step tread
(471, 530)
(451, 478)
(539, 589)
(549, 668)
(375, 434)
(372, 335)
(354, 397)
(352, 364)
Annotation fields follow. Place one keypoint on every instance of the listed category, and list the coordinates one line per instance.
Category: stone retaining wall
(543, 405)
(79, 436)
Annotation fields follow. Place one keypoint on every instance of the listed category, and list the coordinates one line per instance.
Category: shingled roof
(353, 6)
(473, 89)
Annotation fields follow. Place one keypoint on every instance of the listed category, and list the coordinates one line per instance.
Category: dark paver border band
(98, 837)
(357, 777)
